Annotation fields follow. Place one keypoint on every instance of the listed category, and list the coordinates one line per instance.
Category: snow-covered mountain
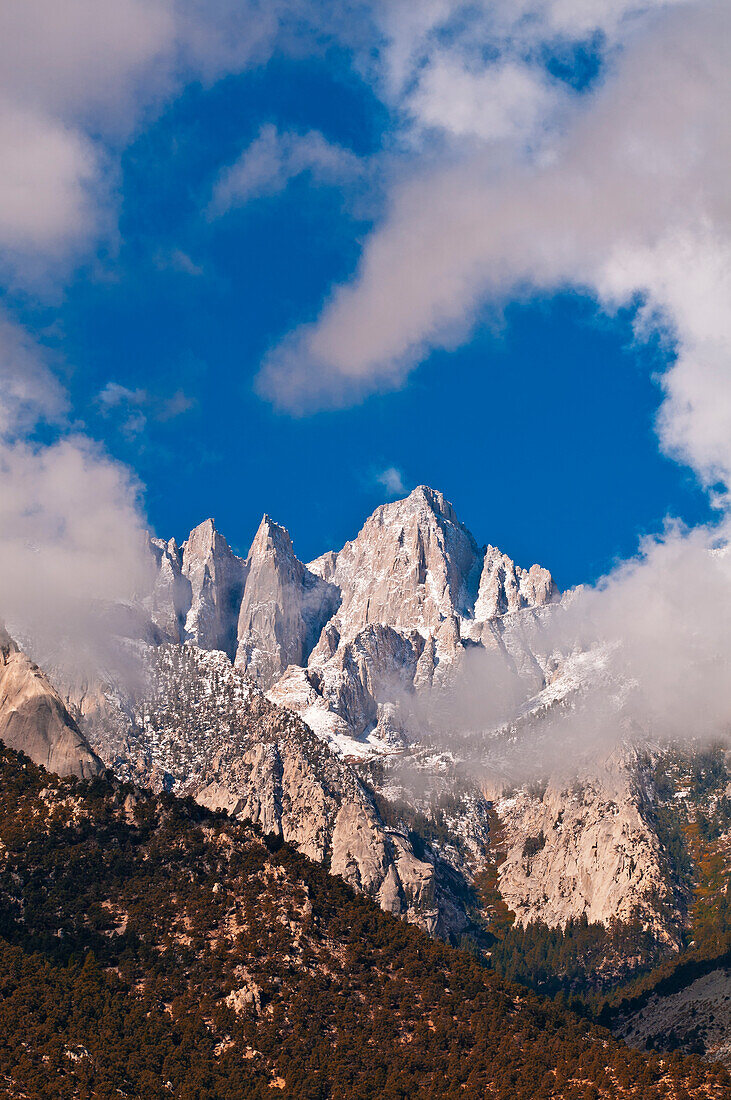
(323, 700)
(411, 711)
(343, 638)
(364, 645)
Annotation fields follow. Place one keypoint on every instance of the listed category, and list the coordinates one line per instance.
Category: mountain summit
(413, 567)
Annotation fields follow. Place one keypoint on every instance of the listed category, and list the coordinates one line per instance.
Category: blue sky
(532, 404)
(540, 430)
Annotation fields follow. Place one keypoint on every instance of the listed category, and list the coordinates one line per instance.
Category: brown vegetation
(149, 948)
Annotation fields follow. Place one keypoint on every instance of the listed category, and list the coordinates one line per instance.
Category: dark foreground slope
(149, 948)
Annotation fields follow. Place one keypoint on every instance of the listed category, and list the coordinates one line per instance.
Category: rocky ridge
(365, 645)
(391, 612)
(204, 729)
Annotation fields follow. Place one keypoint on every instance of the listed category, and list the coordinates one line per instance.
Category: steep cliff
(34, 718)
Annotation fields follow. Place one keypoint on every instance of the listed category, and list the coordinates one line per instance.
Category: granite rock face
(389, 614)
(172, 594)
(34, 718)
(216, 577)
(505, 587)
(414, 591)
(283, 609)
(585, 849)
(412, 565)
(203, 728)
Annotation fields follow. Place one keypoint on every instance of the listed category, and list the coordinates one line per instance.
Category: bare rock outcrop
(216, 576)
(377, 666)
(34, 718)
(415, 573)
(172, 594)
(283, 609)
(392, 612)
(585, 848)
(411, 566)
(204, 729)
(506, 587)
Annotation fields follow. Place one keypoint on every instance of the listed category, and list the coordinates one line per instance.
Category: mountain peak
(283, 607)
(271, 536)
(434, 498)
(422, 499)
(411, 565)
(206, 529)
(216, 577)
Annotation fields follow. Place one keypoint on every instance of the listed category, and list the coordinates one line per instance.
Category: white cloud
(72, 532)
(47, 178)
(29, 391)
(392, 480)
(275, 158)
(631, 204)
(67, 70)
(72, 539)
(83, 59)
(504, 100)
(76, 79)
(666, 615)
(644, 655)
(414, 37)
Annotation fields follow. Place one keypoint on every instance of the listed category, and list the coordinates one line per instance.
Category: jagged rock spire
(412, 565)
(283, 609)
(216, 576)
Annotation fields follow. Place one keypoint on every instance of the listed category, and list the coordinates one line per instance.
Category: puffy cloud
(72, 531)
(275, 158)
(392, 480)
(503, 100)
(631, 205)
(29, 391)
(76, 79)
(666, 617)
(65, 69)
(46, 183)
(71, 537)
(84, 59)
(643, 657)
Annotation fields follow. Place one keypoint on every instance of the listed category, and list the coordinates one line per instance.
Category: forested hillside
(149, 947)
